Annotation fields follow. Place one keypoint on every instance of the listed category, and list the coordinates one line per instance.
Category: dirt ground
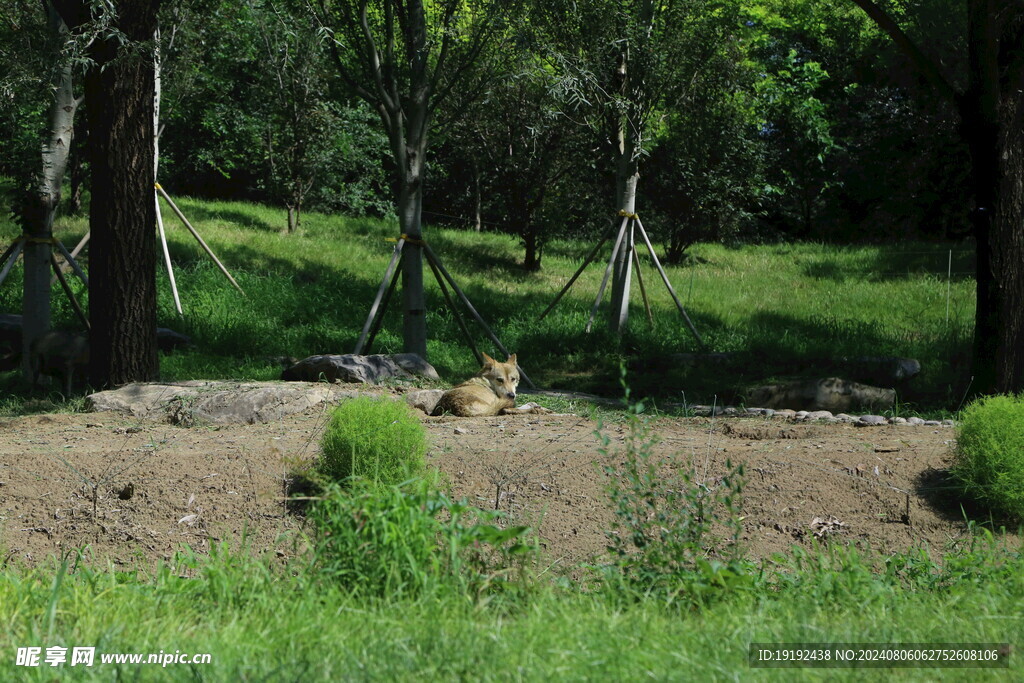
(134, 492)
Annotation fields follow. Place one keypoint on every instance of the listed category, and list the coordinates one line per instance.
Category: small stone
(899, 420)
(730, 412)
(871, 420)
(785, 413)
(948, 423)
(460, 430)
(800, 415)
(818, 415)
(932, 423)
(915, 421)
(843, 417)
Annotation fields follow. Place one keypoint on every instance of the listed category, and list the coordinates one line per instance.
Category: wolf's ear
(511, 359)
(487, 359)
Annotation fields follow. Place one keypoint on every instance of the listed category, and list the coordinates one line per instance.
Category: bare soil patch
(134, 492)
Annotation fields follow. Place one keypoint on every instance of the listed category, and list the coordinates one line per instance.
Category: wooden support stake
(67, 290)
(11, 255)
(395, 256)
(167, 255)
(72, 262)
(664, 277)
(383, 308)
(455, 311)
(643, 290)
(199, 239)
(607, 273)
(431, 256)
(586, 262)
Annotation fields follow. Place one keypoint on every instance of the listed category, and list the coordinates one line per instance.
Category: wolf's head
(503, 378)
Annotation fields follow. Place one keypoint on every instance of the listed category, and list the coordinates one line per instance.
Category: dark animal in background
(63, 355)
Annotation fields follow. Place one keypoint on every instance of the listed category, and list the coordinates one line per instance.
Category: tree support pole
(198, 237)
(11, 255)
(388, 273)
(67, 291)
(607, 272)
(432, 257)
(643, 290)
(455, 311)
(586, 262)
(383, 307)
(668, 285)
(167, 255)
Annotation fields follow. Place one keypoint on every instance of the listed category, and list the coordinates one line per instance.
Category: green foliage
(989, 459)
(375, 439)
(394, 542)
(669, 519)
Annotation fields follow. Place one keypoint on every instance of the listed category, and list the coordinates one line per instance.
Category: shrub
(393, 541)
(662, 539)
(379, 440)
(989, 459)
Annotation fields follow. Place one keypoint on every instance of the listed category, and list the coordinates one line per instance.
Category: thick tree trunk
(410, 220)
(122, 218)
(39, 224)
(992, 125)
(531, 258)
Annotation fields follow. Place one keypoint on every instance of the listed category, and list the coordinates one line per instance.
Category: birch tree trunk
(39, 227)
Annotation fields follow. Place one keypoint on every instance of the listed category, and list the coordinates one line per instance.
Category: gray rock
(932, 423)
(843, 417)
(425, 400)
(816, 415)
(195, 402)
(832, 394)
(871, 420)
(372, 369)
(760, 412)
(915, 421)
(899, 420)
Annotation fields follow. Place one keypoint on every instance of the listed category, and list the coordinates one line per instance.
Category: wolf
(64, 355)
(492, 391)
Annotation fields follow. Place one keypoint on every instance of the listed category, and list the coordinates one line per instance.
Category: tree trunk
(293, 218)
(122, 218)
(992, 125)
(39, 223)
(531, 258)
(628, 179)
(410, 220)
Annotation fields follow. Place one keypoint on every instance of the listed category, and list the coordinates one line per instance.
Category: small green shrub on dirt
(390, 541)
(989, 460)
(379, 440)
(676, 528)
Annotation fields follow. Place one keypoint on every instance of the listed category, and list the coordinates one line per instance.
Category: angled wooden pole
(70, 259)
(167, 254)
(455, 310)
(607, 273)
(668, 285)
(383, 309)
(431, 256)
(199, 238)
(586, 262)
(388, 272)
(67, 291)
(11, 255)
(643, 290)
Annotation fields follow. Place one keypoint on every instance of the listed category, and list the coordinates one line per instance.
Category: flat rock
(833, 394)
(872, 420)
(188, 403)
(351, 368)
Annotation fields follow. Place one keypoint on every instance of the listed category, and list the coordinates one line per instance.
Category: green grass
(787, 306)
(261, 621)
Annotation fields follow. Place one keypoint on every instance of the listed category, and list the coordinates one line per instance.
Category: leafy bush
(989, 459)
(392, 541)
(379, 440)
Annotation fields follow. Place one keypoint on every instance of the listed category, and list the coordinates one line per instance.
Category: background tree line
(759, 119)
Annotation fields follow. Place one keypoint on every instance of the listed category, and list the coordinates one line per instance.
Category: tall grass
(263, 621)
(789, 306)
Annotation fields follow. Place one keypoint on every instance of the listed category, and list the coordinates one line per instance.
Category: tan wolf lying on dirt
(492, 391)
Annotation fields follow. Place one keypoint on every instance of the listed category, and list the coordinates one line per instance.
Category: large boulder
(833, 394)
(372, 369)
(198, 402)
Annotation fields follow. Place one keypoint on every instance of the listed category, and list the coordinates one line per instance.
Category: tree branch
(924, 65)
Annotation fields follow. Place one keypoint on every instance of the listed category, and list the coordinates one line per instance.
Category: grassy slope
(790, 305)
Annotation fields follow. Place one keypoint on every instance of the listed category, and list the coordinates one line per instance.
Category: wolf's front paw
(527, 409)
